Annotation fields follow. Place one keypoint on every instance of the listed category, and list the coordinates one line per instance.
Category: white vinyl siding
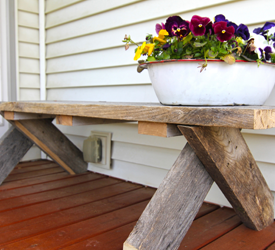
(28, 50)
(86, 61)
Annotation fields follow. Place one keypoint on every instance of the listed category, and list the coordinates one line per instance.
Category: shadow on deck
(42, 207)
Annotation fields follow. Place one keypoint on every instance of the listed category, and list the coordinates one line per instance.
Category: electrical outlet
(106, 149)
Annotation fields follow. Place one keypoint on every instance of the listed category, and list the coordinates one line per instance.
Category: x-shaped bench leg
(227, 159)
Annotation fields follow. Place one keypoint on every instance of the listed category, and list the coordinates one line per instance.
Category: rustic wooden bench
(216, 151)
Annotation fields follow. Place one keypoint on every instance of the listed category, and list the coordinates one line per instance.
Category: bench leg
(54, 143)
(228, 160)
(13, 146)
(171, 211)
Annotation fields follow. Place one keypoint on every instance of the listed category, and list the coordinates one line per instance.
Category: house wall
(86, 61)
(28, 59)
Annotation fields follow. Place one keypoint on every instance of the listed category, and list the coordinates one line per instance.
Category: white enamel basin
(180, 82)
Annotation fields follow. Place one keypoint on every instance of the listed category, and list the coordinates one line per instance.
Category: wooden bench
(216, 151)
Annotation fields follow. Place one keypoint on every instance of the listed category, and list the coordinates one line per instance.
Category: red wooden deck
(42, 207)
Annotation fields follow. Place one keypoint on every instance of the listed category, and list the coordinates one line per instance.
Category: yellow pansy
(159, 39)
(240, 40)
(139, 51)
(163, 33)
(149, 48)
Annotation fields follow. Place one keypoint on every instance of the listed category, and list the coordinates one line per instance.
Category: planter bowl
(180, 82)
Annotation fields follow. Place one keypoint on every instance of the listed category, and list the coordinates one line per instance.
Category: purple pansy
(160, 27)
(209, 28)
(265, 54)
(223, 32)
(176, 26)
(261, 31)
(219, 18)
(166, 46)
(198, 25)
(243, 32)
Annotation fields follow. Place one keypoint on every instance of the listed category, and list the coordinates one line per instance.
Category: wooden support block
(68, 120)
(54, 143)
(13, 146)
(171, 211)
(158, 129)
(228, 160)
(10, 115)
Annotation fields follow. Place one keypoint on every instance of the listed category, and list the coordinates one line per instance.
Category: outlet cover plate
(106, 149)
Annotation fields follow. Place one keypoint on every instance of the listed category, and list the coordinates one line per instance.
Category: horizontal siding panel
(28, 50)
(29, 80)
(145, 155)
(133, 172)
(28, 5)
(135, 93)
(83, 9)
(91, 60)
(29, 95)
(262, 147)
(99, 77)
(52, 5)
(28, 19)
(27, 65)
(33, 154)
(28, 35)
(268, 171)
(135, 13)
(98, 41)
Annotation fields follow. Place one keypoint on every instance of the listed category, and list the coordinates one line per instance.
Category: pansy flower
(223, 32)
(265, 53)
(264, 29)
(198, 25)
(243, 32)
(221, 17)
(176, 26)
(139, 51)
(160, 27)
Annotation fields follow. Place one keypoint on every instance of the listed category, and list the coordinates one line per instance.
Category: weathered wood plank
(13, 146)
(249, 117)
(68, 120)
(10, 115)
(47, 137)
(158, 129)
(228, 160)
(174, 206)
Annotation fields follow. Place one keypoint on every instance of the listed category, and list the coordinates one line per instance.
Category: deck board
(42, 210)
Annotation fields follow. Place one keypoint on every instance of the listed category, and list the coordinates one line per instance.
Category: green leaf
(197, 55)
(223, 51)
(196, 44)
(151, 59)
(187, 38)
(166, 56)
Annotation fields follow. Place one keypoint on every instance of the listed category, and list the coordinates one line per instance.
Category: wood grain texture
(174, 206)
(68, 120)
(249, 117)
(13, 146)
(228, 160)
(10, 115)
(158, 129)
(49, 139)
(242, 239)
(209, 228)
